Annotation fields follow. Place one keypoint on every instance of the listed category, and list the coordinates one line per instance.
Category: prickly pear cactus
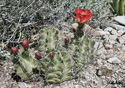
(68, 54)
(62, 54)
(25, 64)
(84, 50)
(57, 63)
(118, 7)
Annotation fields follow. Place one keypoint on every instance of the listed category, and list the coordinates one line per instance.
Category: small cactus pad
(25, 65)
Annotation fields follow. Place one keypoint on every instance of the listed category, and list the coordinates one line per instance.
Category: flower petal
(83, 11)
(88, 12)
(78, 10)
(74, 16)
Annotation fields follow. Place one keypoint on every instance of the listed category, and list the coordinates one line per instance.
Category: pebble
(75, 26)
(118, 27)
(104, 32)
(113, 37)
(114, 32)
(99, 62)
(22, 85)
(112, 42)
(101, 51)
(108, 46)
(122, 39)
(108, 29)
(103, 71)
(106, 37)
(78, 86)
(122, 56)
(120, 20)
(105, 25)
(114, 60)
(98, 45)
(120, 32)
(123, 47)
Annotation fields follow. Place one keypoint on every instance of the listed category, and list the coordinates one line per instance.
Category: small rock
(122, 56)
(22, 85)
(105, 25)
(112, 42)
(99, 62)
(102, 56)
(103, 71)
(120, 32)
(57, 87)
(78, 86)
(122, 39)
(118, 27)
(113, 37)
(114, 32)
(98, 45)
(90, 30)
(114, 47)
(75, 26)
(114, 60)
(108, 46)
(106, 37)
(123, 47)
(108, 29)
(120, 20)
(101, 51)
(110, 51)
(104, 32)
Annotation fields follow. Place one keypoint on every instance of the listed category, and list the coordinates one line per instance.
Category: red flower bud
(57, 31)
(14, 50)
(51, 55)
(38, 55)
(25, 44)
(67, 40)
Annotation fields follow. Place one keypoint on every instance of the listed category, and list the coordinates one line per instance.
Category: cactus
(25, 64)
(58, 63)
(118, 7)
(61, 55)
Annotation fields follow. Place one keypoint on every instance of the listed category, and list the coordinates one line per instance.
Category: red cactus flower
(38, 55)
(25, 44)
(14, 50)
(67, 40)
(51, 55)
(82, 15)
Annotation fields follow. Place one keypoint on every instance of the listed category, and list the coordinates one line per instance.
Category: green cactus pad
(60, 68)
(118, 7)
(26, 65)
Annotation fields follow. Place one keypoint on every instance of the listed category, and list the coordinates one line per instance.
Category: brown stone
(122, 56)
